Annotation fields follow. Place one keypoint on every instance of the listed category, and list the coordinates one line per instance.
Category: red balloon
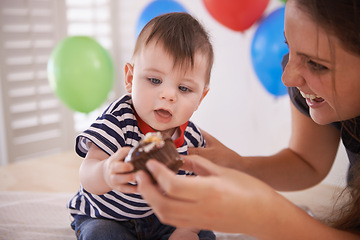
(237, 15)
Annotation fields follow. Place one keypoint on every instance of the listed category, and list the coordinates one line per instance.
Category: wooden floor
(54, 173)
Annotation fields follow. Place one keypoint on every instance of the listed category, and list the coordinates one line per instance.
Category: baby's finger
(126, 188)
(121, 167)
(121, 153)
(117, 179)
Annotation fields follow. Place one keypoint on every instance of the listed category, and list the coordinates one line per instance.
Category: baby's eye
(316, 66)
(154, 81)
(184, 89)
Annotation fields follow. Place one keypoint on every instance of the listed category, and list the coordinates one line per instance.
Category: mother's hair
(338, 17)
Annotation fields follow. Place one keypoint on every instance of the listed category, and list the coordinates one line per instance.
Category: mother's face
(326, 74)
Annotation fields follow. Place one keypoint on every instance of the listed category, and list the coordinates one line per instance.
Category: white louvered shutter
(35, 121)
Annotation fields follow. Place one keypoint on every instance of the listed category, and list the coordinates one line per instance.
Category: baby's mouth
(163, 113)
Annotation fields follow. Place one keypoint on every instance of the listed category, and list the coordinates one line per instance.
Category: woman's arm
(226, 200)
(100, 173)
(305, 162)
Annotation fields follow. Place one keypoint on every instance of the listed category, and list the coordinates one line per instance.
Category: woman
(323, 76)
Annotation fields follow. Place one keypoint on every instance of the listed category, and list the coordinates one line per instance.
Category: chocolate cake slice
(155, 146)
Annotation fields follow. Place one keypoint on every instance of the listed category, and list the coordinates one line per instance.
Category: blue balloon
(155, 9)
(267, 50)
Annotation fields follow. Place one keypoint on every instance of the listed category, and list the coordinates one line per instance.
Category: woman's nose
(292, 76)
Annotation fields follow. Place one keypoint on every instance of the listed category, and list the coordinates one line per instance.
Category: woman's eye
(154, 81)
(184, 89)
(316, 66)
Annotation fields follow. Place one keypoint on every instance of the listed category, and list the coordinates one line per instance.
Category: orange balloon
(237, 15)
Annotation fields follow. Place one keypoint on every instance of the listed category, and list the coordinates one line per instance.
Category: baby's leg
(98, 229)
(185, 233)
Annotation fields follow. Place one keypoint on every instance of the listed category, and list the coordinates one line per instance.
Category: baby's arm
(101, 173)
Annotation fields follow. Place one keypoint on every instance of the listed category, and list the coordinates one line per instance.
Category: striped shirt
(117, 127)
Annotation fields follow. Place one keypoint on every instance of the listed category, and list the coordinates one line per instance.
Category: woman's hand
(218, 198)
(227, 200)
(217, 152)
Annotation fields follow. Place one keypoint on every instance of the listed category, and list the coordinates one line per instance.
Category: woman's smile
(312, 100)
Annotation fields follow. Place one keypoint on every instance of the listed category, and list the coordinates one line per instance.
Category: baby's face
(165, 96)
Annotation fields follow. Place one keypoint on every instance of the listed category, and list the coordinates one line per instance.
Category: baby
(166, 81)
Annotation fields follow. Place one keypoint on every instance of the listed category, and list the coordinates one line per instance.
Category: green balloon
(81, 73)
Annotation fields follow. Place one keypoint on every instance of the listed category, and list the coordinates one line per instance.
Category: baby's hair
(182, 37)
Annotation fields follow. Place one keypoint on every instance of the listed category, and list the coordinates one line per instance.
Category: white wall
(237, 110)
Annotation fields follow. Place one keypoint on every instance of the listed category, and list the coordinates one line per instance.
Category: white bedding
(43, 216)
(30, 215)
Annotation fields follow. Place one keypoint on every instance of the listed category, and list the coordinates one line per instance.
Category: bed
(34, 194)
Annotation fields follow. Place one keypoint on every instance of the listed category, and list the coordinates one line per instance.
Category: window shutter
(35, 121)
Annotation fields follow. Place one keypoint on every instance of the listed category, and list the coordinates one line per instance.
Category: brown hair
(347, 215)
(182, 36)
(338, 17)
(341, 18)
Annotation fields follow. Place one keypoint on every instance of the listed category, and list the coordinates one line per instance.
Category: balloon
(155, 9)
(267, 50)
(237, 15)
(81, 73)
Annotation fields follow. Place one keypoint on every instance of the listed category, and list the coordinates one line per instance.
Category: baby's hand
(116, 172)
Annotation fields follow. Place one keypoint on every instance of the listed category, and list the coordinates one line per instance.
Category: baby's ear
(205, 92)
(129, 76)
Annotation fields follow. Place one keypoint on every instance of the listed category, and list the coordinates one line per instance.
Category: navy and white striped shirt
(115, 128)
